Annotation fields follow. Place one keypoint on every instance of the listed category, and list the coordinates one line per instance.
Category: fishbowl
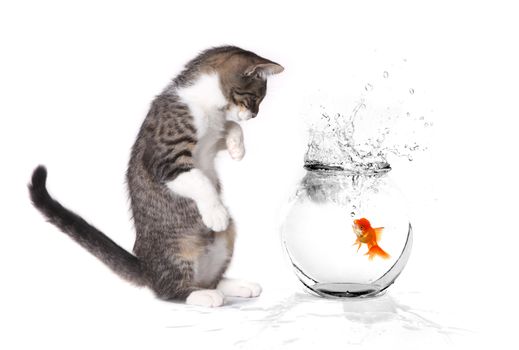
(346, 232)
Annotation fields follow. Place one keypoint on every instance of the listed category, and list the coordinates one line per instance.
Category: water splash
(371, 130)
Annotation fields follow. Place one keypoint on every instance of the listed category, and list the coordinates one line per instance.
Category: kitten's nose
(253, 115)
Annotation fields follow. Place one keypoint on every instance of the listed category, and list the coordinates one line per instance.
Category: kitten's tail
(119, 260)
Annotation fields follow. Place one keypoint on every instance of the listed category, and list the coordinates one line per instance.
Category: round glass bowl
(321, 235)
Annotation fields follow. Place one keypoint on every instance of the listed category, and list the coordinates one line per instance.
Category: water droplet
(411, 91)
(333, 141)
(386, 74)
(368, 87)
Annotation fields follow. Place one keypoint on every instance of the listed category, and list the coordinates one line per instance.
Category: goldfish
(370, 236)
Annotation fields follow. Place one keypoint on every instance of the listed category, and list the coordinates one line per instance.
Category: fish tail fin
(377, 251)
(378, 232)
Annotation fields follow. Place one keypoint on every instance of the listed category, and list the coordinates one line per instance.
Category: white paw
(236, 152)
(239, 288)
(215, 216)
(234, 143)
(205, 297)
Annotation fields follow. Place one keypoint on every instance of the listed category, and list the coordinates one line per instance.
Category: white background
(76, 81)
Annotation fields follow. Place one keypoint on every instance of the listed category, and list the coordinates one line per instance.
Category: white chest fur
(206, 103)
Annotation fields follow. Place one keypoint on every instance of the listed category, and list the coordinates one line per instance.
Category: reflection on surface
(296, 319)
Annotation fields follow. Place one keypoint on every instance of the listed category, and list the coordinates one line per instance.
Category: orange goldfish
(370, 236)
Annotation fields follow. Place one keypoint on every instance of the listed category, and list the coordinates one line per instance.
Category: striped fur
(176, 251)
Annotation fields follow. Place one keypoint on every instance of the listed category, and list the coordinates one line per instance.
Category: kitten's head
(244, 83)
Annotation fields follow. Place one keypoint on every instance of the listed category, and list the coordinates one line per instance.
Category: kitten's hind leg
(206, 297)
(239, 288)
(195, 296)
(174, 282)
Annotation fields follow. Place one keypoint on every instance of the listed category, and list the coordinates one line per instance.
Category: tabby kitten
(184, 235)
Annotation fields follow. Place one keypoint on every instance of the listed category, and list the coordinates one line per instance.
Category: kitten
(185, 237)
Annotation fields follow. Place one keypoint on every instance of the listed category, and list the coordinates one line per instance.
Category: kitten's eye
(244, 94)
(253, 76)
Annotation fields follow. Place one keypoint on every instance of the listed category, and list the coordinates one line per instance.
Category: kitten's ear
(263, 70)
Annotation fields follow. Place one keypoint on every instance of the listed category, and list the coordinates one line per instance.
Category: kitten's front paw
(215, 216)
(234, 143)
(206, 297)
(236, 150)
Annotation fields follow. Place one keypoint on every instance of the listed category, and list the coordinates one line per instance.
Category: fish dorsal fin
(378, 232)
